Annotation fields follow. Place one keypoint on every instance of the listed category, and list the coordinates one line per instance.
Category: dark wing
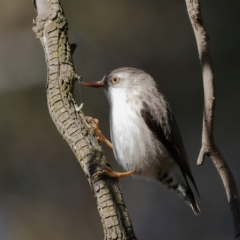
(167, 132)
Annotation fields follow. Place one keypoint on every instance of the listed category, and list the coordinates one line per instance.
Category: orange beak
(98, 84)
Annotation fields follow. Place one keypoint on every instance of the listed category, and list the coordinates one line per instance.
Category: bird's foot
(100, 137)
(110, 173)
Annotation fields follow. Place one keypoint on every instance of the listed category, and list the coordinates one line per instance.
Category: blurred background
(44, 193)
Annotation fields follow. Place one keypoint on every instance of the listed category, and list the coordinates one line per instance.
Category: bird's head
(122, 78)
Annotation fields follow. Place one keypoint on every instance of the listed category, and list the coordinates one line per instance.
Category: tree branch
(51, 28)
(209, 147)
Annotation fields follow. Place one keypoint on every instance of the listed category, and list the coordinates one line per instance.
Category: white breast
(131, 137)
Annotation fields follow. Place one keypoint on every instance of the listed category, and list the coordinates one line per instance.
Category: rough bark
(51, 28)
(209, 147)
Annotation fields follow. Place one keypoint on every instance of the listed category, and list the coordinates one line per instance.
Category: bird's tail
(189, 198)
(181, 187)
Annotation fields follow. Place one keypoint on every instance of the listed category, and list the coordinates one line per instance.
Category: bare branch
(209, 147)
(51, 28)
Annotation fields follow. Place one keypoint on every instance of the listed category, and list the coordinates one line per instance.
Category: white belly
(135, 147)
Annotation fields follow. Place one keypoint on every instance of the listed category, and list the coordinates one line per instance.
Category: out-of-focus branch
(51, 28)
(209, 147)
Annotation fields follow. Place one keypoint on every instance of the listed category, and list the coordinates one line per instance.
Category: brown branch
(51, 28)
(209, 147)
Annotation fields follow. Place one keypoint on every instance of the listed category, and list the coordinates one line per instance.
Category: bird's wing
(167, 132)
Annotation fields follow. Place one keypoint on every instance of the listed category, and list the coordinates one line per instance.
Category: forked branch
(209, 147)
(51, 28)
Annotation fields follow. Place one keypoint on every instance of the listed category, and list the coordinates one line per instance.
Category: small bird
(145, 135)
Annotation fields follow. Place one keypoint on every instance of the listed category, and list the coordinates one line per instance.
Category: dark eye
(115, 80)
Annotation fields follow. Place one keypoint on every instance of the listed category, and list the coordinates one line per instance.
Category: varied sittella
(145, 136)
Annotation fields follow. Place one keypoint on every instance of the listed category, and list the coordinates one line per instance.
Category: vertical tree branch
(51, 28)
(209, 147)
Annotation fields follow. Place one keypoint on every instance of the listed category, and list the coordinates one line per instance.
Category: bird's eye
(115, 80)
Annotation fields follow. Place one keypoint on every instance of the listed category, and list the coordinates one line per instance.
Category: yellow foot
(110, 173)
(101, 137)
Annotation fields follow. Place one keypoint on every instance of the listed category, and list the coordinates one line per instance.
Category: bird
(144, 132)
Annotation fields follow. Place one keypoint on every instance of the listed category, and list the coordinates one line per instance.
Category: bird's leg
(100, 137)
(110, 173)
(106, 171)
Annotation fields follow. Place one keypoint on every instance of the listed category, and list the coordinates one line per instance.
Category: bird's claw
(104, 172)
(100, 136)
(107, 171)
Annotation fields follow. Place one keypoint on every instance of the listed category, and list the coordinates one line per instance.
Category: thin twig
(209, 147)
(51, 28)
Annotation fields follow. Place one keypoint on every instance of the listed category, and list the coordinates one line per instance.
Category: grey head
(136, 83)
(125, 78)
(128, 80)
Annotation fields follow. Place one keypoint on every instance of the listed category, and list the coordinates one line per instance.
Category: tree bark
(51, 28)
(209, 147)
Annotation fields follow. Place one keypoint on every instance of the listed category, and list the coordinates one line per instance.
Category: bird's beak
(98, 84)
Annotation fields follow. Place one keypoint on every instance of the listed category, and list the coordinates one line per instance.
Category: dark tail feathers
(190, 200)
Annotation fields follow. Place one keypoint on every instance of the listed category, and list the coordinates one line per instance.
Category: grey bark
(209, 147)
(51, 28)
